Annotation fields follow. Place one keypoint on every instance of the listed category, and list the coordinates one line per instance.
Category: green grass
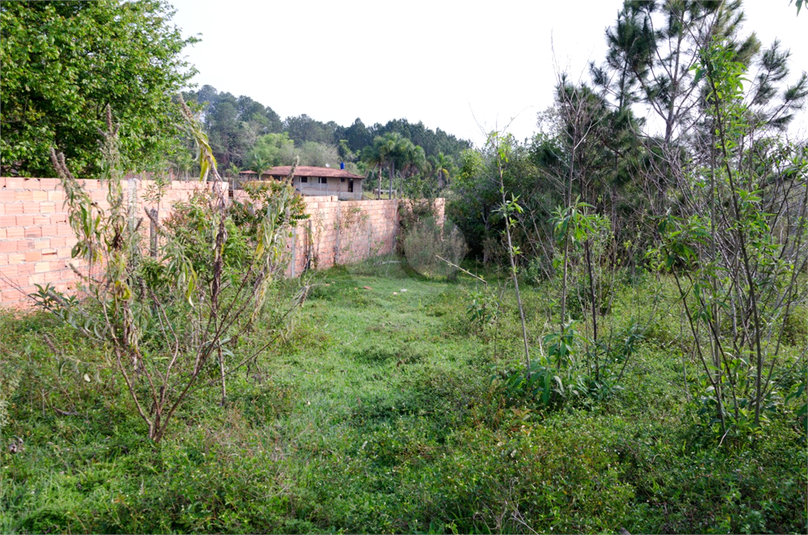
(379, 413)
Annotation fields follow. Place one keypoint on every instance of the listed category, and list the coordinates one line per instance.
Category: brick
(33, 256)
(23, 195)
(50, 230)
(7, 195)
(30, 207)
(47, 207)
(25, 245)
(26, 268)
(10, 272)
(49, 183)
(24, 220)
(42, 243)
(53, 276)
(14, 183)
(42, 267)
(8, 246)
(39, 195)
(56, 196)
(15, 232)
(10, 297)
(33, 232)
(13, 208)
(16, 258)
(37, 278)
(7, 221)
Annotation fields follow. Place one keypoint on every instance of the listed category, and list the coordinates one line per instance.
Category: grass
(379, 413)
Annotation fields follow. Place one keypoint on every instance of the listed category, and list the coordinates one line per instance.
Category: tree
(304, 128)
(317, 154)
(64, 62)
(272, 149)
(172, 319)
(374, 156)
(357, 136)
(442, 167)
(738, 249)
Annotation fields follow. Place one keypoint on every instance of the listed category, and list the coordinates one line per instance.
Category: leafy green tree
(442, 168)
(737, 250)
(272, 149)
(303, 128)
(64, 62)
(345, 152)
(357, 136)
(474, 201)
(168, 319)
(432, 141)
(234, 123)
(318, 154)
(630, 42)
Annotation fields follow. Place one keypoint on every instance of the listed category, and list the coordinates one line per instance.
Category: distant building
(315, 181)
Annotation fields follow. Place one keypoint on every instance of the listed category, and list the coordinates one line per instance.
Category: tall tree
(272, 149)
(442, 167)
(654, 47)
(65, 61)
(373, 157)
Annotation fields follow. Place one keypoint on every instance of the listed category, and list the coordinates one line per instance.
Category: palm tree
(391, 147)
(259, 165)
(442, 166)
(374, 158)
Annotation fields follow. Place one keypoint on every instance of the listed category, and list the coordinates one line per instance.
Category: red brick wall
(36, 240)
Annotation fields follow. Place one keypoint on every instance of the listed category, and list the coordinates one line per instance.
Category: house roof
(308, 171)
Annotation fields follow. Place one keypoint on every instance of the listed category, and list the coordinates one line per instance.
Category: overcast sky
(461, 66)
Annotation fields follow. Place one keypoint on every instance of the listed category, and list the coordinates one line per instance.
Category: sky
(464, 67)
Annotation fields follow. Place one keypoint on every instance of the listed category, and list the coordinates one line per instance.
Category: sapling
(165, 320)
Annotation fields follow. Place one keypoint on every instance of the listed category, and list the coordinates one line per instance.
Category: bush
(176, 322)
(426, 242)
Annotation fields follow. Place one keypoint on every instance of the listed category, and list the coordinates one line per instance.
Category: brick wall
(36, 239)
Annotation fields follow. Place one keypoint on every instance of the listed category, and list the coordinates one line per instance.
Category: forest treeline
(245, 134)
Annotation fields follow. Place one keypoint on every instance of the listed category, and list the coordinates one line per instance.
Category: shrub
(171, 322)
(433, 250)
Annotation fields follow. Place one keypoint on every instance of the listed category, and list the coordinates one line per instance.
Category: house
(316, 180)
